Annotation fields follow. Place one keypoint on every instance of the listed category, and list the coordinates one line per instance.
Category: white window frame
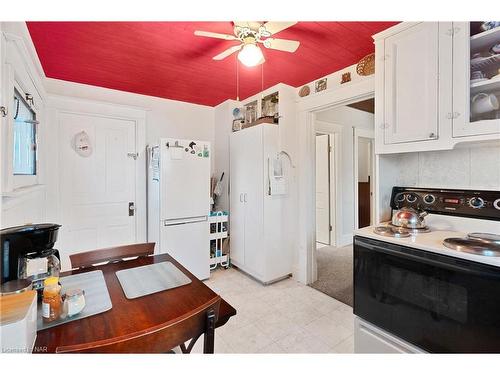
(21, 181)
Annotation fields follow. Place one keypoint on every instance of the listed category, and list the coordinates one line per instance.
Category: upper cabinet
(411, 86)
(476, 77)
(424, 97)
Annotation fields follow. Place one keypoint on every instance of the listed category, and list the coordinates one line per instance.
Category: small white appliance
(18, 322)
(179, 202)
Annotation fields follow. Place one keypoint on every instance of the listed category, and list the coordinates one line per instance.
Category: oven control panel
(480, 204)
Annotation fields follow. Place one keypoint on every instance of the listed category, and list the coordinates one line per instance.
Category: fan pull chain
(237, 81)
(262, 81)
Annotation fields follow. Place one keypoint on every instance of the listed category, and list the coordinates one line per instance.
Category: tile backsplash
(463, 168)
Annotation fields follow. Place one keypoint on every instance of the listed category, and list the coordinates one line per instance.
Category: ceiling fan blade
(282, 44)
(228, 52)
(215, 35)
(249, 24)
(276, 27)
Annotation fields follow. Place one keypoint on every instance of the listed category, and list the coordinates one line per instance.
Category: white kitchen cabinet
(423, 90)
(257, 243)
(413, 87)
(466, 44)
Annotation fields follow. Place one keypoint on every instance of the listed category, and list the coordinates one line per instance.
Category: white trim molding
(362, 89)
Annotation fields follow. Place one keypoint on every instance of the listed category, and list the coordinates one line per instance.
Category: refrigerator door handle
(186, 220)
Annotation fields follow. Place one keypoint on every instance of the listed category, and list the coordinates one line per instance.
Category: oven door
(439, 303)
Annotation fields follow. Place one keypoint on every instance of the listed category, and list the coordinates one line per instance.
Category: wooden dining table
(146, 324)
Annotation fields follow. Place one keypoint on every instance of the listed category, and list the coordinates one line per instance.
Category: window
(24, 137)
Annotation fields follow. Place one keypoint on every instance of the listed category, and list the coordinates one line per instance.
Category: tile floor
(285, 317)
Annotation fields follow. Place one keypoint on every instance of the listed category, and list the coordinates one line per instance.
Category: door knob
(131, 208)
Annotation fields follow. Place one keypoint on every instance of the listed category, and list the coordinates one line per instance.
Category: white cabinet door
(464, 46)
(253, 197)
(237, 205)
(411, 96)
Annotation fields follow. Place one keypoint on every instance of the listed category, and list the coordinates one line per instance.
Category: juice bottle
(51, 302)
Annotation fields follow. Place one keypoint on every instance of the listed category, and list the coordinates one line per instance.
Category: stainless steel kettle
(410, 218)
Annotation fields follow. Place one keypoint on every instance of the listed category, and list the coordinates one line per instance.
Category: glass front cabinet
(476, 78)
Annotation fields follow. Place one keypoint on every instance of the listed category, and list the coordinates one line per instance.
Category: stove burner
(392, 231)
(412, 230)
(473, 246)
(485, 237)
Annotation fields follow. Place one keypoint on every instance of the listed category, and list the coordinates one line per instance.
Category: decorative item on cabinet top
(346, 77)
(251, 112)
(270, 105)
(366, 66)
(304, 91)
(321, 85)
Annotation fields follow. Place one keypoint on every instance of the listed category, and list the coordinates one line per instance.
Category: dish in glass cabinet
(472, 81)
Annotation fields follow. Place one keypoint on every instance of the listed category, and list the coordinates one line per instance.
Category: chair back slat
(111, 254)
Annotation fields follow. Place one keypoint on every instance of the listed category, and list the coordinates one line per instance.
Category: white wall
(17, 66)
(164, 118)
(348, 119)
(472, 167)
(223, 120)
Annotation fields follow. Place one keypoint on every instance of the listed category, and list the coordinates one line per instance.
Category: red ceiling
(166, 60)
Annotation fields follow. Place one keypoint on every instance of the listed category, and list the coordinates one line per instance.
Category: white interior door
(322, 189)
(96, 190)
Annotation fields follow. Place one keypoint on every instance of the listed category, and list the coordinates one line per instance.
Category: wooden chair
(111, 254)
(161, 338)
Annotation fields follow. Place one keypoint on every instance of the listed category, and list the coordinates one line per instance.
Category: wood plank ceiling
(165, 59)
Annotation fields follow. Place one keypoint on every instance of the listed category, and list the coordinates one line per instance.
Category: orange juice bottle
(51, 302)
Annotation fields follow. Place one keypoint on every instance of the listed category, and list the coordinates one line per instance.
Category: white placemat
(97, 298)
(153, 278)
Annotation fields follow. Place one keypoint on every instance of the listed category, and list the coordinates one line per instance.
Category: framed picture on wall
(237, 123)
(251, 112)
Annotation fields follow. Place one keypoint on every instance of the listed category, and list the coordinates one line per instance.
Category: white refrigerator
(179, 202)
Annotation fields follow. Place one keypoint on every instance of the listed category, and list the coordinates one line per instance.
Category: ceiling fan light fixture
(250, 55)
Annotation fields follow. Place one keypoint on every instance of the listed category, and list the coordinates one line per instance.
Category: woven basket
(366, 66)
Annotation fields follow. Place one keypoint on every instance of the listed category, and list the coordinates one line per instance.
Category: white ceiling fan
(250, 34)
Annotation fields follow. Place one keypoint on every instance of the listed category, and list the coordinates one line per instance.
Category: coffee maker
(28, 253)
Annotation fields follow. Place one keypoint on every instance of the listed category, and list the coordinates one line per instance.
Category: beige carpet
(335, 272)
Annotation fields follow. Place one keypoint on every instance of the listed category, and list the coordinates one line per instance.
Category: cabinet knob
(432, 135)
(456, 114)
(449, 115)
